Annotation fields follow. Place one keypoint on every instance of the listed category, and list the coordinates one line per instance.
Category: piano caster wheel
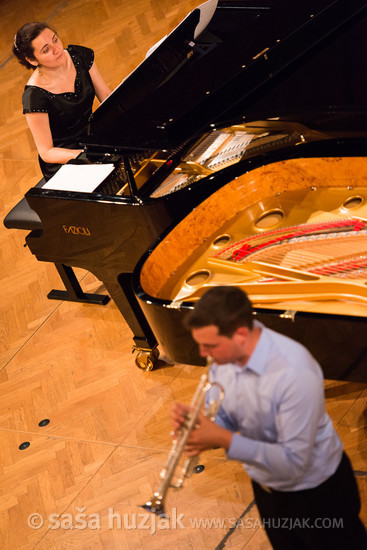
(146, 359)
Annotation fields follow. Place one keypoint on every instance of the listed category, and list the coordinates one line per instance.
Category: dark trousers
(315, 519)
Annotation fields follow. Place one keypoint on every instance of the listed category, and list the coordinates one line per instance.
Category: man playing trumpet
(273, 420)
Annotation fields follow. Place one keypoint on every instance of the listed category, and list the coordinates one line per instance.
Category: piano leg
(145, 343)
(357, 362)
(73, 292)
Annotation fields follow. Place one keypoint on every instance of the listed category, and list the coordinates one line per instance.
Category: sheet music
(79, 177)
(206, 13)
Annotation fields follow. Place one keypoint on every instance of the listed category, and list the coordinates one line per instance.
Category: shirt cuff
(242, 448)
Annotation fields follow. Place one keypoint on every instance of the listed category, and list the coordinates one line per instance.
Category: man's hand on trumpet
(206, 434)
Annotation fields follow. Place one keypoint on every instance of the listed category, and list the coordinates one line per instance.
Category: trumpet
(156, 503)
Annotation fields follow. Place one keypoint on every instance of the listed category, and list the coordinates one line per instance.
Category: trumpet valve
(178, 484)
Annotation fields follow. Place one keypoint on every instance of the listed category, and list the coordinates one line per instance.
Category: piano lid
(253, 59)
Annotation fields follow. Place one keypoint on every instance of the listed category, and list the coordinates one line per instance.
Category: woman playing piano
(58, 97)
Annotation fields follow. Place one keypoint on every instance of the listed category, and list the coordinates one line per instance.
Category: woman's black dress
(68, 112)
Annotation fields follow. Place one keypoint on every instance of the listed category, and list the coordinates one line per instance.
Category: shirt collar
(258, 360)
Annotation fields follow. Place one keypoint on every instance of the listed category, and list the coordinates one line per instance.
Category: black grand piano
(237, 155)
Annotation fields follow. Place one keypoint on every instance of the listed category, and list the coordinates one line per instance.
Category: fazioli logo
(74, 230)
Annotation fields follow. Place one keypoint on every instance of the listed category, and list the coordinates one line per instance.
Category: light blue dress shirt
(275, 405)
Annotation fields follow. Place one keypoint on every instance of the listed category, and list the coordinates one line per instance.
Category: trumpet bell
(155, 506)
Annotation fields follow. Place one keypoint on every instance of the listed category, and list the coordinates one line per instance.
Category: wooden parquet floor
(80, 482)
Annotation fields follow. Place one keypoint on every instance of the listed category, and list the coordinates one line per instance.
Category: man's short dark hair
(226, 307)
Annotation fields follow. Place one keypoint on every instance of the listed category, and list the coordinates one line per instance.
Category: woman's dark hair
(226, 307)
(22, 47)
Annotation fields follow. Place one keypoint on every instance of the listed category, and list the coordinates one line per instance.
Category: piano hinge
(175, 304)
(261, 53)
(289, 314)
